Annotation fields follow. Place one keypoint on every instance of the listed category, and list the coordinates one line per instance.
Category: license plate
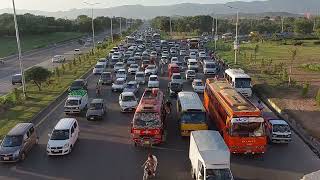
(146, 142)
(6, 158)
(55, 150)
(92, 118)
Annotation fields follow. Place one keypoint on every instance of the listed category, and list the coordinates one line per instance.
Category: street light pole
(92, 22)
(19, 50)
(111, 30)
(216, 35)
(170, 27)
(236, 43)
(282, 24)
(120, 28)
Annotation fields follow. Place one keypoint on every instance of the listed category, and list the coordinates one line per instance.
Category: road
(105, 151)
(40, 57)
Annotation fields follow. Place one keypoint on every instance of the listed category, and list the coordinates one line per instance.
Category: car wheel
(22, 156)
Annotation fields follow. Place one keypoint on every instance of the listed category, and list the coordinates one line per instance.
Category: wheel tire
(22, 156)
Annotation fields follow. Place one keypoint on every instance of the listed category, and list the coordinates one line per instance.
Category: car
(183, 52)
(133, 68)
(185, 59)
(96, 109)
(193, 55)
(121, 73)
(174, 60)
(118, 84)
(111, 53)
(193, 64)
(151, 69)
(117, 54)
(128, 54)
(153, 81)
(16, 79)
(171, 44)
(174, 88)
(77, 51)
(137, 57)
(106, 78)
(131, 60)
(157, 47)
(164, 59)
(114, 60)
(131, 86)
(173, 51)
(104, 61)
(128, 102)
(278, 130)
(140, 77)
(176, 77)
(153, 54)
(78, 84)
(58, 59)
(202, 55)
(145, 63)
(99, 68)
(198, 85)
(18, 142)
(118, 65)
(165, 53)
(63, 137)
(190, 74)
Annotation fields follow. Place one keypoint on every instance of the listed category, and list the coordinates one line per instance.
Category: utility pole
(120, 28)
(236, 43)
(170, 27)
(212, 30)
(19, 50)
(126, 23)
(282, 24)
(111, 30)
(216, 35)
(92, 22)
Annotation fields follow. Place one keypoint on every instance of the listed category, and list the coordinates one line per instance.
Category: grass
(8, 45)
(37, 100)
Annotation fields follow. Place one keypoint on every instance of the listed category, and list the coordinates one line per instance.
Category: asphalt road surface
(40, 57)
(105, 151)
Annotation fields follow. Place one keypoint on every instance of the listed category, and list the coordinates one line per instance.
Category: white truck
(76, 102)
(209, 156)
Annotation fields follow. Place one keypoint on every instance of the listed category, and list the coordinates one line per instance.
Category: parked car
(174, 60)
(128, 101)
(121, 73)
(96, 110)
(176, 77)
(131, 86)
(78, 84)
(118, 65)
(58, 59)
(16, 79)
(18, 142)
(106, 78)
(133, 69)
(153, 81)
(198, 85)
(140, 77)
(190, 74)
(63, 137)
(151, 69)
(118, 84)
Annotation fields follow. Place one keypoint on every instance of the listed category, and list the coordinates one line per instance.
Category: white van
(210, 67)
(193, 64)
(239, 80)
(63, 137)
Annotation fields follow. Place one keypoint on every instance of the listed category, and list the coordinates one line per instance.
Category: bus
(191, 113)
(239, 80)
(130, 40)
(238, 120)
(148, 124)
(194, 44)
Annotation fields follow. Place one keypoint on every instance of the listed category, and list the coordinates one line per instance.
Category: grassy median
(8, 45)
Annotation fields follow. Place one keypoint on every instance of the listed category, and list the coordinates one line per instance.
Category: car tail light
(136, 131)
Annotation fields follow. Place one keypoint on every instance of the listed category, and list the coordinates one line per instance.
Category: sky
(60, 5)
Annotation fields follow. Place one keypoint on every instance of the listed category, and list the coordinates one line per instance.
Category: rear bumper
(281, 140)
(186, 129)
(147, 141)
(247, 150)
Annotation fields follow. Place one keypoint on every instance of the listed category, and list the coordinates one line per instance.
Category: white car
(77, 51)
(133, 68)
(174, 60)
(140, 77)
(198, 85)
(118, 65)
(63, 137)
(58, 59)
(183, 52)
(131, 60)
(104, 61)
(151, 69)
(153, 81)
(121, 73)
(193, 64)
(202, 55)
(165, 53)
(118, 85)
(99, 68)
(117, 54)
(176, 77)
(190, 74)
(128, 102)
(193, 55)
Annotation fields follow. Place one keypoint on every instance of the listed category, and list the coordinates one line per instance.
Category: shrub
(57, 72)
(316, 42)
(17, 95)
(305, 89)
(70, 66)
(298, 43)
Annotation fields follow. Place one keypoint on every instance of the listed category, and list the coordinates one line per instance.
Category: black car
(174, 88)
(96, 110)
(78, 85)
(16, 79)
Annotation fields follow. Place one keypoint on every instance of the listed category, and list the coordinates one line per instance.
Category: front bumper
(128, 109)
(9, 158)
(94, 117)
(57, 152)
(72, 111)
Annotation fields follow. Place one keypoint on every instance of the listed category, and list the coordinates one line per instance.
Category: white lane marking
(170, 149)
(14, 169)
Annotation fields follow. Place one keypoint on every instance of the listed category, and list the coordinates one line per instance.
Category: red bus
(238, 120)
(147, 127)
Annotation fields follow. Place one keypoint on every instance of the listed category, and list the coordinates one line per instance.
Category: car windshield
(191, 72)
(131, 86)
(72, 102)
(95, 106)
(193, 63)
(76, 83)
(121, 72)
(60, 134)
(199, 83)
(150, 67)
(128, 98)
(175, 86)
(176, 77)
(146, 119)
(12, 141)
(247, 129)
(210, 66)
(280, 128)
(99, 66)
(119, 82)
(139, 75)
(218, 174)
(153, 79)
(193, 117)
(243, 83)
(145, 62)
(105, 76)
(119, 65)
(134, 66)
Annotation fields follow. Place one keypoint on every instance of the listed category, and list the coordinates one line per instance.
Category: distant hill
(292, 7)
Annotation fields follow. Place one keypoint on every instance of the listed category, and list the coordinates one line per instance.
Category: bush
(298, 43)
(316, 42)
(305, 89)
(318, 97)
(57, 72)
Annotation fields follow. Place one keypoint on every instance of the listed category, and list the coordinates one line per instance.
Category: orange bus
(238, 120)
(148, 125)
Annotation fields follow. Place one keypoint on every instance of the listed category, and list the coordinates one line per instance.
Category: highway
(41, 57)
(105, 151)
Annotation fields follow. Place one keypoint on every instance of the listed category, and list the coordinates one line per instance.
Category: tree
(37, 75)
(318, 32)
(303, 26)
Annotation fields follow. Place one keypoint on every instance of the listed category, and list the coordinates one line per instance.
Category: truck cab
(278, 131)
(76, 102)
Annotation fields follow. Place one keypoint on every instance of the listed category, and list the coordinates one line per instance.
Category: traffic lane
(106, 149)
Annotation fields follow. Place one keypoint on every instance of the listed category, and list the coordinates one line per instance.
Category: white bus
(239, 80)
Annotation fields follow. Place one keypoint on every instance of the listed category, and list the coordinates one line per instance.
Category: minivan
(18, 142)
(63, 137)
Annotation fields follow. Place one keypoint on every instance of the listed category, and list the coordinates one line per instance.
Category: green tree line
(34, 24)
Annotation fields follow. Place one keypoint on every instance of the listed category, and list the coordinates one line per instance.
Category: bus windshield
(243, 83)
(193, 117)
(146, 119)
(247, 129)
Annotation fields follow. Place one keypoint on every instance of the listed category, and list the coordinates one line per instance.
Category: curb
(312, 142)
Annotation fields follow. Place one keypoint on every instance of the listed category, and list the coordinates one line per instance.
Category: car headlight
(16, 153)
(66, 145)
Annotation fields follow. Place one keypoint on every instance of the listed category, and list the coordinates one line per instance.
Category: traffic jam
(219, 113)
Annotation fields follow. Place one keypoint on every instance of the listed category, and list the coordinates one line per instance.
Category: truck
(209, 156)
(76, 102)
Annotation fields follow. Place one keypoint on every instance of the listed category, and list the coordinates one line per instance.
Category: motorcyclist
(168, 106)
(98, 87)
(151, 164)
